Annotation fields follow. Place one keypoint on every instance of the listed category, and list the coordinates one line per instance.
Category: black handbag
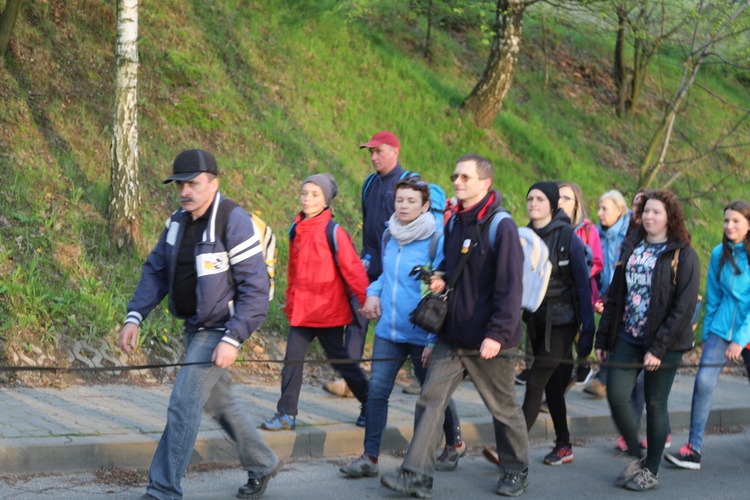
(432, 310)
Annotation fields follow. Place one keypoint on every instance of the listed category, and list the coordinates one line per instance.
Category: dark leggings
(550, 375)
(656, 387)
(332, 341)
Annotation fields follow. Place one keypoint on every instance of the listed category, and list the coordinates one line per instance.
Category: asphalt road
(723, 476)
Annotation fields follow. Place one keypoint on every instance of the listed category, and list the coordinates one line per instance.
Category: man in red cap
(377, 208)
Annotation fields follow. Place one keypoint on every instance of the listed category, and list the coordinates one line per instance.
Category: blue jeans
(382, 379)
(705, 381)
(203, 387)
(332, 341)
(656, 386)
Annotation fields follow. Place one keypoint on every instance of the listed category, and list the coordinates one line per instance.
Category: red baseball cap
(382, 137)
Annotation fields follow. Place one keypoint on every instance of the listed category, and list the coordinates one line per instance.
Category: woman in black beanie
(552, 328)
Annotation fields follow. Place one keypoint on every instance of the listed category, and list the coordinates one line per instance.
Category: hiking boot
(634, 467)
(280, 422)
(643, 480)
(667, 443)
(361, 419)
(522, 377)
(513, 484)
(448, 459)
(687, 458)
(256, 486)
(562, 453)
(596, 389)
(364, 466)
(491, 455)
(405, 481)
(621, 444)
(338, 387)
(415, 388)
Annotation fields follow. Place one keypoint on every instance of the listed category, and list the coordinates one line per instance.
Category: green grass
(279, 90)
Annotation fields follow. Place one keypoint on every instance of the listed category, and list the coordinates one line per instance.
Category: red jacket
(590, 236)
(315, 293)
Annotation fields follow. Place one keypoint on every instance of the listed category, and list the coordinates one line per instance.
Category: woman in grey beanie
(320, 277)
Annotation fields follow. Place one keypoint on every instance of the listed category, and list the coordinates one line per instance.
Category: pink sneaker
(667, 443)
(621, 445)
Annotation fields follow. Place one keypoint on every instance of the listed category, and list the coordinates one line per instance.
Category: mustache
(185, 199)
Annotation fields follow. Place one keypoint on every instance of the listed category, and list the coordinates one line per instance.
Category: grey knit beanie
(326, 183)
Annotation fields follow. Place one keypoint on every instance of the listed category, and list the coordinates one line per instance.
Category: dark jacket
(486, 301)
(568, 298)
(377, 208)
(672, 303)
(232, 289)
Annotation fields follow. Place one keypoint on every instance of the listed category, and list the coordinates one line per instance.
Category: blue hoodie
(612, 239)
(728, 297)
(400, 293)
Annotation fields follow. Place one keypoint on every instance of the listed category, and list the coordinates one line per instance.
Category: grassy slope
(278, 90)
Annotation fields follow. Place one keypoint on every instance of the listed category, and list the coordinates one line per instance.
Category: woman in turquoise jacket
(726, 325)
(411, 239)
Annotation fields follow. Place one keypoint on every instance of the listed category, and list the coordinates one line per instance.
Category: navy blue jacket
(486, 301)
(377, 208)
(232, 289)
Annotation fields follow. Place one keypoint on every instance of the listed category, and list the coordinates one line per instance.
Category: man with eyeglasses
(480, 335)
(377, 208)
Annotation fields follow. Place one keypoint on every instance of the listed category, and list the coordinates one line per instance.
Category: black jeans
(656, 387)
(332, 341)
(550, 374)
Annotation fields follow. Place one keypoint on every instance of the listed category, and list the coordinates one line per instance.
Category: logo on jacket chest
(212, 263)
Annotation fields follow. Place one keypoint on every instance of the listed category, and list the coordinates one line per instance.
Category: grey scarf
(419, 229)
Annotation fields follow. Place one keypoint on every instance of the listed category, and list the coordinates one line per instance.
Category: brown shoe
(338, 387)
(491, 455)
(414, 388)
(596, 389)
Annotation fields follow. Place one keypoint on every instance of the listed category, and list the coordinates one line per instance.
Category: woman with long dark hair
(726, 325)
(646, 324)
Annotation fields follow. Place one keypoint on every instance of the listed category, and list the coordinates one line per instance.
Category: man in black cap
(210, 263)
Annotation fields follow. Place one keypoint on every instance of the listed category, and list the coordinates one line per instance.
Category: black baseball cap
(192, 163)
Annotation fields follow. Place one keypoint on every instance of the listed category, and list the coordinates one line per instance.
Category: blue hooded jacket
(612, 239)
(400, 293)
(728, 297)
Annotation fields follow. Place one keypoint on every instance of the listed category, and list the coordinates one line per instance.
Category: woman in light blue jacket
(411, 239)
(726, 325)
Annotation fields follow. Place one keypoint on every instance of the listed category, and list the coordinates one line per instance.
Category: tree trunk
(7, 21)
(427, 49)
(124, 204)
(622, 82)
(486, 100)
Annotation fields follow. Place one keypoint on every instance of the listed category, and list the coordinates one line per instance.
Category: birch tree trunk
(488, 96)
(125, 197)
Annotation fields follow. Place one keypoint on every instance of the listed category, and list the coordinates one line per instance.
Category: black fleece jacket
(673, 300)
(486, 301)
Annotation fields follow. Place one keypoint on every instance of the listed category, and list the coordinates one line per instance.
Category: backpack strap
(367, 186)
(496, 217)
(675, 263)
(333, 243)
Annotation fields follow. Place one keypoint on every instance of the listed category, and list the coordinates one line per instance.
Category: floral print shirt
(638, 272)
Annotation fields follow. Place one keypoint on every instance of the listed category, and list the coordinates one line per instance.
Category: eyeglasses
(463, 177)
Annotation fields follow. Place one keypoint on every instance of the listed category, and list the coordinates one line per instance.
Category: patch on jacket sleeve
(212, 263)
